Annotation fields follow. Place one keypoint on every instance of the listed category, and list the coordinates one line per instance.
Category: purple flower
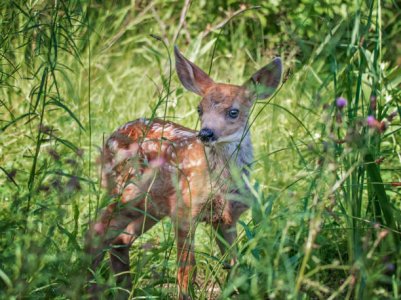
(341, 102)
(371, 121)
(379, 126)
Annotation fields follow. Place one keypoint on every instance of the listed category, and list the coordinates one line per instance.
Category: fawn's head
(224, 108)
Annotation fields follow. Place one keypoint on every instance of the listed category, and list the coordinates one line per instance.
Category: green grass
(327, 212)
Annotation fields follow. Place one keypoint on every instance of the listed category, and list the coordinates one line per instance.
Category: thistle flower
(375, 124)
(371, 121)
(341, 102)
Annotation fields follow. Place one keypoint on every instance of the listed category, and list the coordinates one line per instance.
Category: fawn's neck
(238, 154)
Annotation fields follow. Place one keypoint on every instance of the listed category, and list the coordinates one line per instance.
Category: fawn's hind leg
(109, 230)
(119, 254)
(112, 222)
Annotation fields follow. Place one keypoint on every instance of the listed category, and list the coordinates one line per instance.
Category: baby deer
(156, 168)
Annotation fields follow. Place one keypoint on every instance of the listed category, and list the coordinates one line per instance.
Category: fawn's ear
(191, 76)
(264, 82)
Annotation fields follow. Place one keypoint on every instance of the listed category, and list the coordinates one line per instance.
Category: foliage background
(326, 219)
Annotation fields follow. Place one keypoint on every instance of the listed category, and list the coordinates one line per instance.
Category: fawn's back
(155, 163)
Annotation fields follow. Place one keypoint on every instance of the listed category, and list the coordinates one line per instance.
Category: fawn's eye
(233, 113)
(200, 112)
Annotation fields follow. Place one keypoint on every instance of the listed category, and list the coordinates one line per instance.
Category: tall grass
(325, 181)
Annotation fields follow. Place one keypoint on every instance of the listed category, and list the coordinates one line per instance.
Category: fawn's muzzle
(206, 135)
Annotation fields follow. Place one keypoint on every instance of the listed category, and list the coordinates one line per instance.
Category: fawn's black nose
(206, 135)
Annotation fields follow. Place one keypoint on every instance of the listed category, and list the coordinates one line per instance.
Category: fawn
(156, 168)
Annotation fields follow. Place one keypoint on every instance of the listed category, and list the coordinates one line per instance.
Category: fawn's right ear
(191, 76)
(265, 81)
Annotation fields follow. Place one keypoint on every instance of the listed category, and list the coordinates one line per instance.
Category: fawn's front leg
(225, 237)
(185, 258)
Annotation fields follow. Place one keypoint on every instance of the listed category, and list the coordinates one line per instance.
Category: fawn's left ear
(191, 76)
(264, 82)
